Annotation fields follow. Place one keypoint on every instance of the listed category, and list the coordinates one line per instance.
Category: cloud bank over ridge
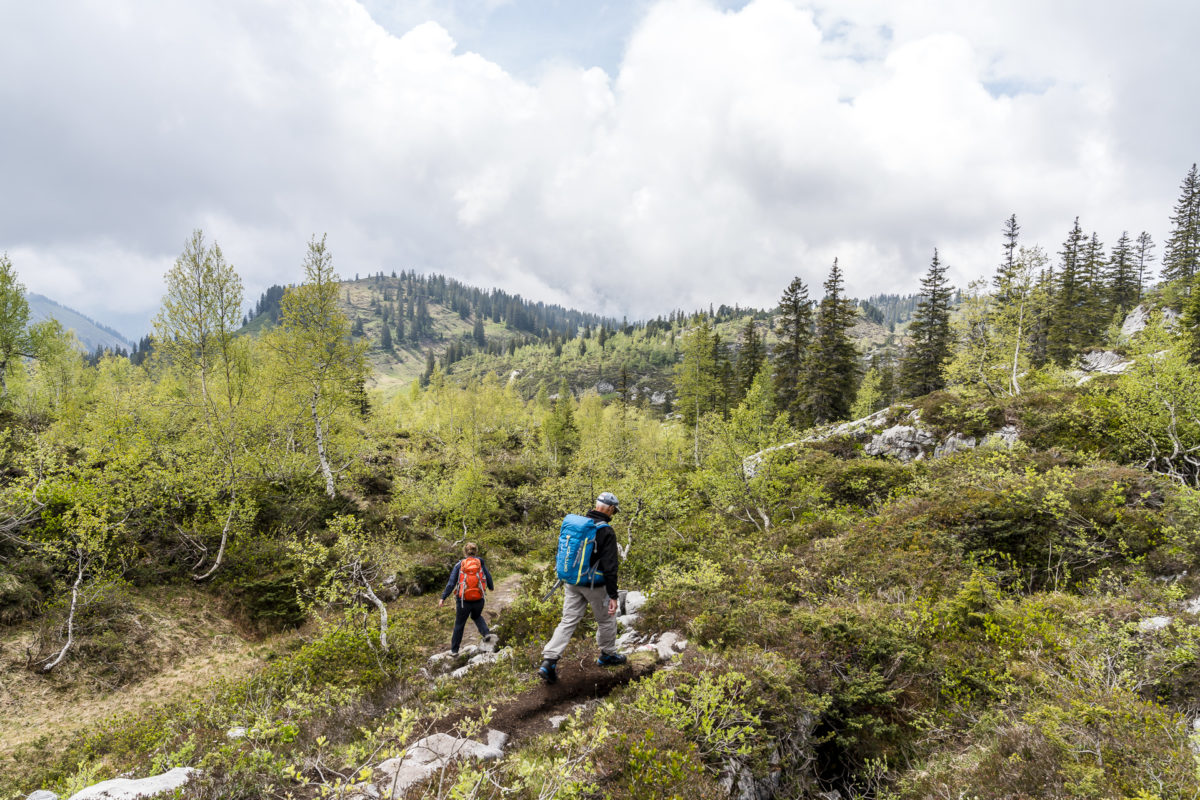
(728, 150)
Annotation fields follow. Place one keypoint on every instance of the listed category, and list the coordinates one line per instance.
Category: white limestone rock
(1192, 606)
(489, 643)
(634, 602)
(42, 794)
(669, 645)
(129, 789)
(431, 754)
(953, 444)
(905, 442)
(1006, 437)
(236, 732)
(604, 387)
(658, 398)
(1151, 624)
(1103, 362)
(1135, 321)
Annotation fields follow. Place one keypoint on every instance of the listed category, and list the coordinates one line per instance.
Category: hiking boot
(611, 660)
(548, 671)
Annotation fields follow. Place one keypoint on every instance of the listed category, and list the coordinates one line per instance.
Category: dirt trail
(579, 681)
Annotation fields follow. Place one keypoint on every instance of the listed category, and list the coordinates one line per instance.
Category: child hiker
(467, 582)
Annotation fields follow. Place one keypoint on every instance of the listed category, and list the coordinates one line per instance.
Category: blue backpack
(576, 543)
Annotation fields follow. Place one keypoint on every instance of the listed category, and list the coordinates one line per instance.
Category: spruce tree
(385, 340)
(1094, 313)
(1124, 289)
(1062, 336)
(477, 332)
(1143, 254)
(750, 358)
(1181, 255)
(921, 370)
(1008, 266)
(832, 368)
(793, 325)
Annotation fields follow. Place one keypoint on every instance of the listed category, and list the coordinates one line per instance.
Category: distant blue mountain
(91, 334)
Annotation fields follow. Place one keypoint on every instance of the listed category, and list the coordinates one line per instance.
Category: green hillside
(640, 357)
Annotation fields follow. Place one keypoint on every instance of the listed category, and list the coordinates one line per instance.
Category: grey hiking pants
(576, 599)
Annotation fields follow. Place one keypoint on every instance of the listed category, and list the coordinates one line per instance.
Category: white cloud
(729, 152)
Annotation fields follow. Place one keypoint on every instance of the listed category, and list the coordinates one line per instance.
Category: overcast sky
(628, 158)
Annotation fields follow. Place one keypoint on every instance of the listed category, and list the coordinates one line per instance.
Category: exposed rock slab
(1104, 362)
(433, 753)
(129, 789)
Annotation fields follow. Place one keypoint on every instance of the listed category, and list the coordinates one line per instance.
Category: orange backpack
(470, 579)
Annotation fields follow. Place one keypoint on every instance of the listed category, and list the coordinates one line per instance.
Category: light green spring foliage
(1160, 403)
(993, 328)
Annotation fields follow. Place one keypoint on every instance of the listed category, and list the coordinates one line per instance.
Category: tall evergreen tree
(1008, 266)
(477, 332)
(1181, 255)
(750, 358)
(1124, 289)
(832, 363)
(1063, 337)
(1094, 312)
(921, 370)
(793, 325)
(385, 339)
(1143, 255)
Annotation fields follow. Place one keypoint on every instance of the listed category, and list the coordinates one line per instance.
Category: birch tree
(196, 334)
(319, 362)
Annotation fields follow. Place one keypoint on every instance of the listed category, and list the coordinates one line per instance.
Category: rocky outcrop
(953, 444)
(905, 442)
(128, 789)
(1137, 320)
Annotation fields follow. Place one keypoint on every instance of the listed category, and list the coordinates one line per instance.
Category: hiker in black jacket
(600, 594)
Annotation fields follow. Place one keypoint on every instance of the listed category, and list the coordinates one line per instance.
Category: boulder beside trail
(427, 756)
(128, 789)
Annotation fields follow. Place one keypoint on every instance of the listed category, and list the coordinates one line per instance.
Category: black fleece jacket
(604, 554)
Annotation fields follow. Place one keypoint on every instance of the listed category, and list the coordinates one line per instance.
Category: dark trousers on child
(462, 610)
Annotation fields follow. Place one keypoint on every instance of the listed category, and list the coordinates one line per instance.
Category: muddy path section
(529, 714)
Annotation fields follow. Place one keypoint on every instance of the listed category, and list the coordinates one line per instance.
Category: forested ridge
(946, 548)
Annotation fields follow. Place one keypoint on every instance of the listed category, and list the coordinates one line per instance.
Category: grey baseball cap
(609, 499)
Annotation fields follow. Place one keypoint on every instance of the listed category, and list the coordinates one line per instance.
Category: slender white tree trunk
(329, 487)
(224, 540)
(383, 615)
(70, 618)
(1016, 387)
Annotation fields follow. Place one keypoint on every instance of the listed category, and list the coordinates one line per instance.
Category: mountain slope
(92, 335)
